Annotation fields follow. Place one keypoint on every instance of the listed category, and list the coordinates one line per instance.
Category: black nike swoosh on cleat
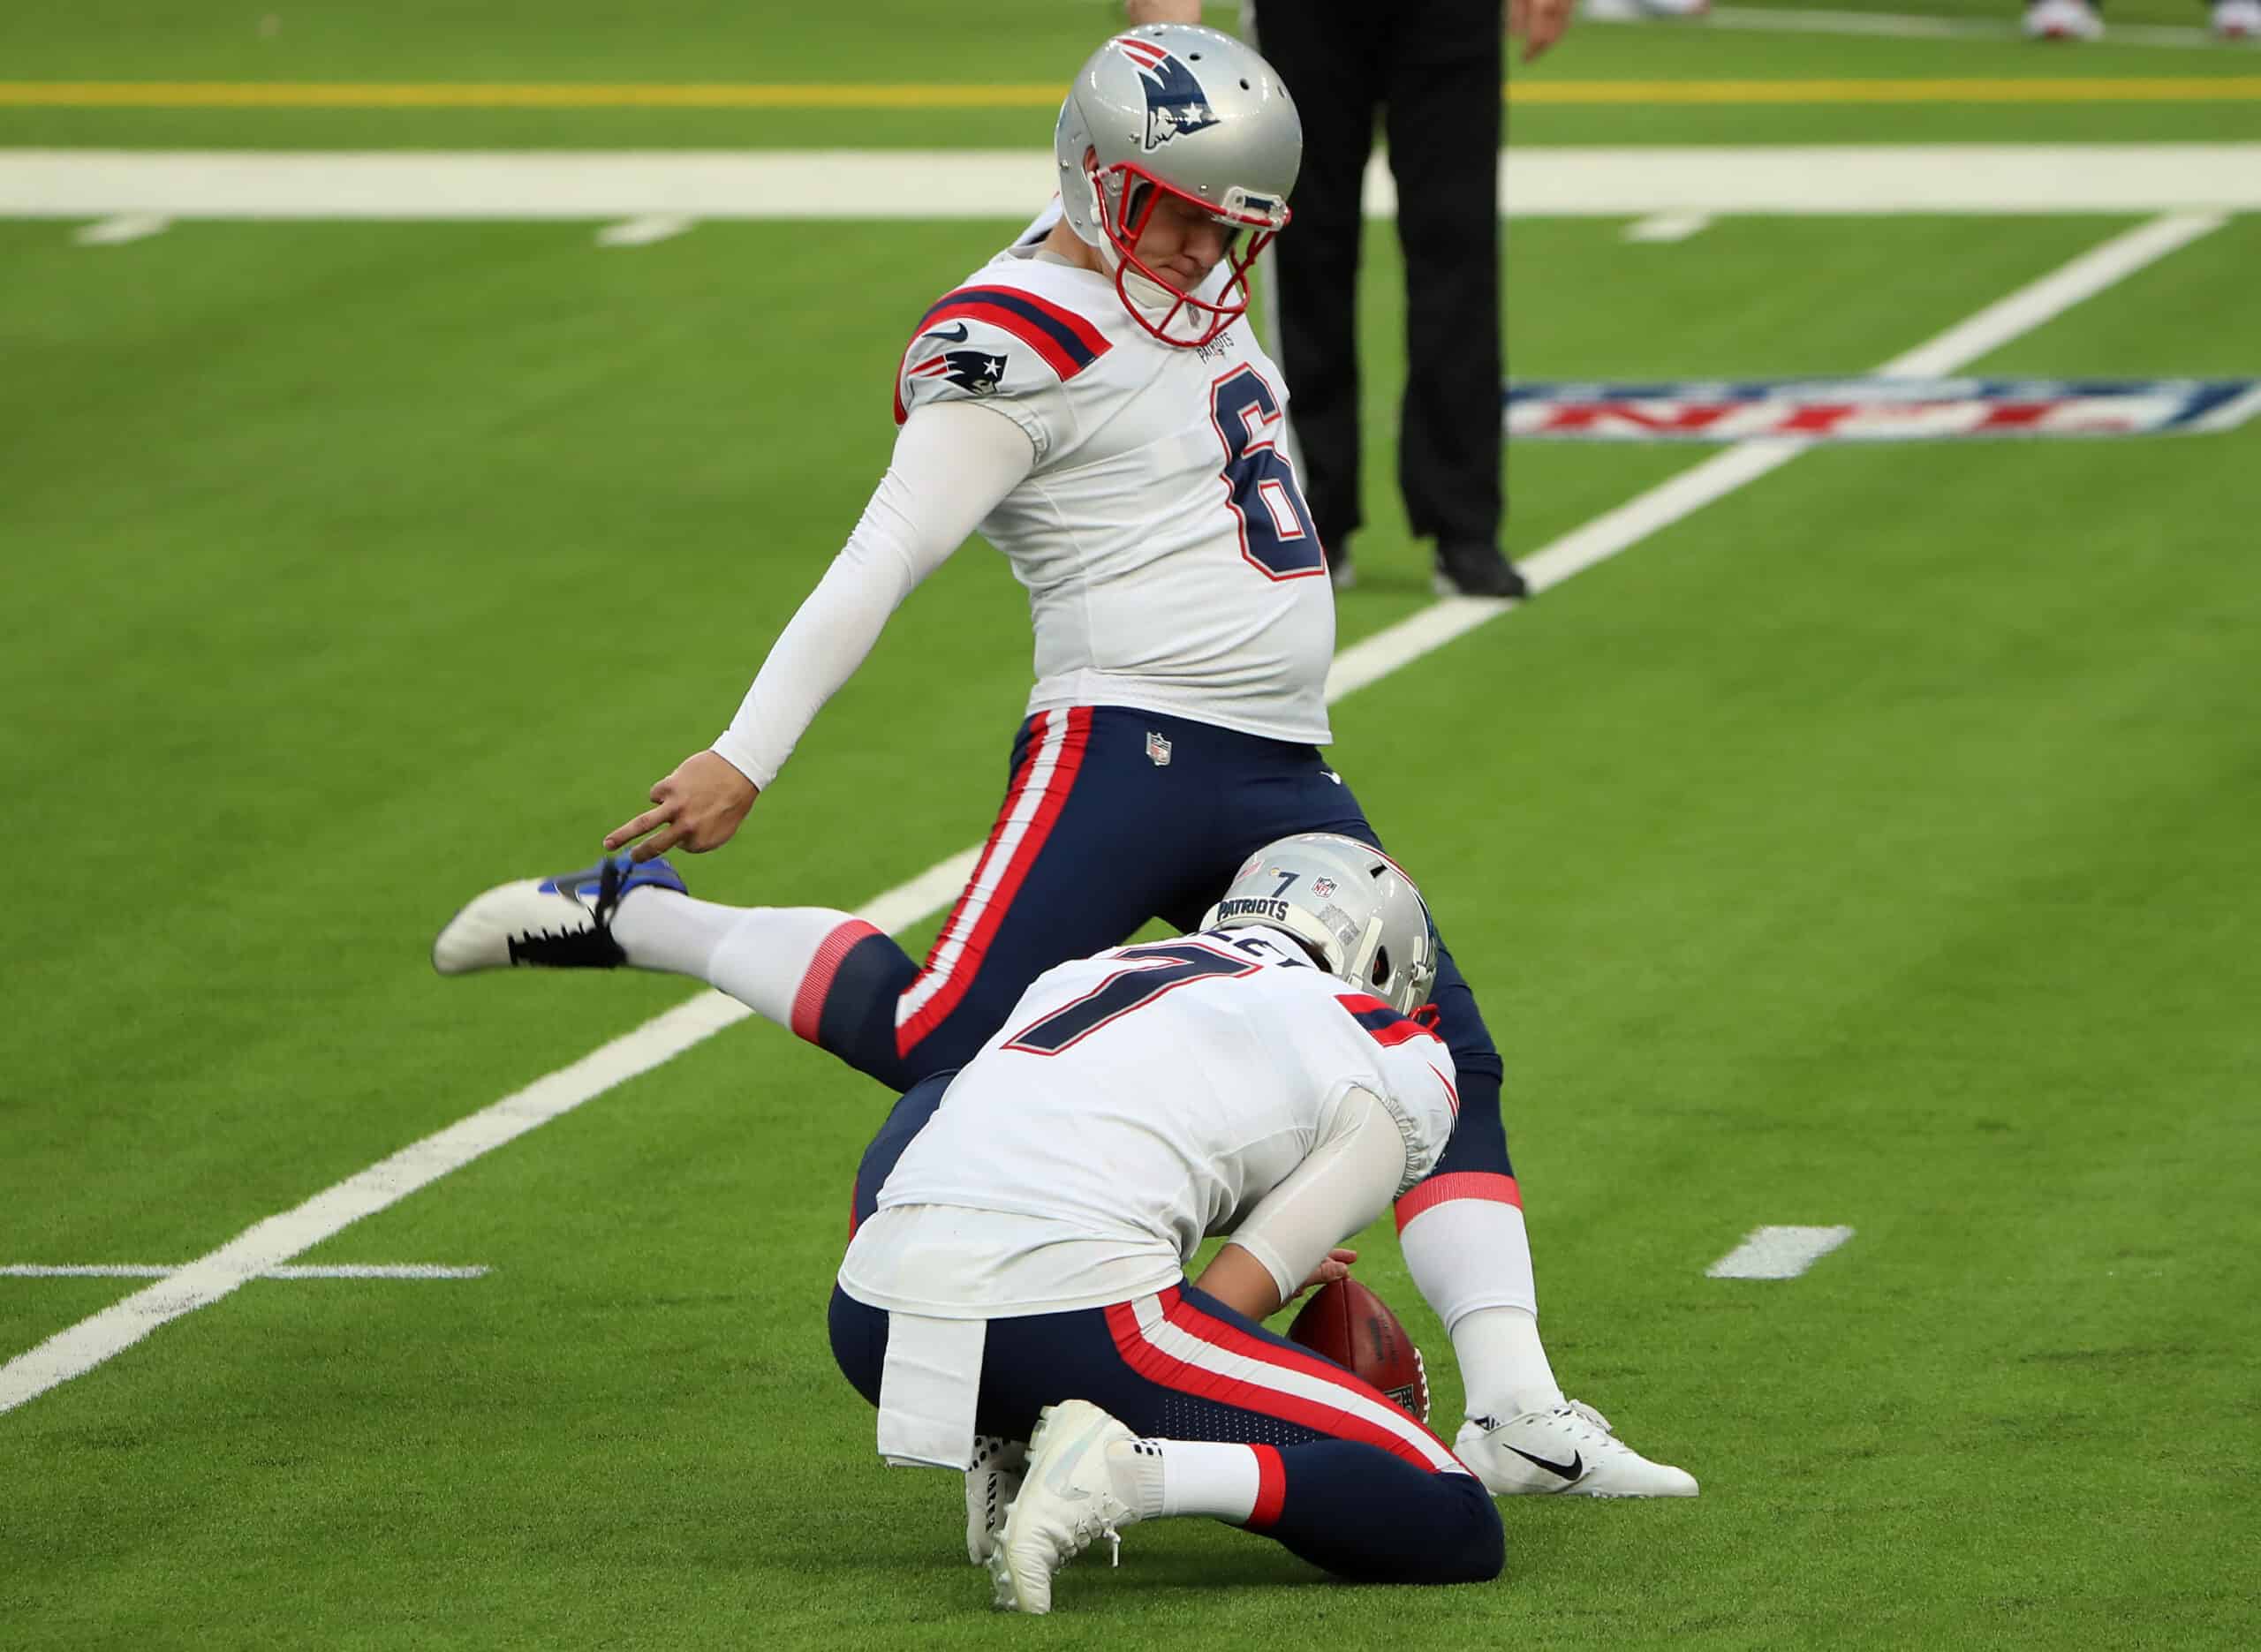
(958, 337)
(1576, 1470)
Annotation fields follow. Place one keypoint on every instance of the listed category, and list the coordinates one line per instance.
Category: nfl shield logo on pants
(1157, 750)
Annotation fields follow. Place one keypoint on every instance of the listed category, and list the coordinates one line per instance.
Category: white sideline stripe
(644, 231)
(1668, 226)
(1758, 19)
(1566, 182)
(275, 1240)
(161, 1270)
(1778, 1252)
(133, 226)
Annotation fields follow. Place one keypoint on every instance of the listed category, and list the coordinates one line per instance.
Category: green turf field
(1873, 847)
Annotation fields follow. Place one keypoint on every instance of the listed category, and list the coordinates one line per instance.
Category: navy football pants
(1345, 1479)
(1113, 817)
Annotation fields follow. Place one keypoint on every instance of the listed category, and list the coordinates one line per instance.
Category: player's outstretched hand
(1538, 24)
(696, 809)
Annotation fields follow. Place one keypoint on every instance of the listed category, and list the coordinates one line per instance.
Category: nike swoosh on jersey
(957, 337)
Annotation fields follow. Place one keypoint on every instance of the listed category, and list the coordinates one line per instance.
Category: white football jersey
(1170, 560)
(1133, 1103)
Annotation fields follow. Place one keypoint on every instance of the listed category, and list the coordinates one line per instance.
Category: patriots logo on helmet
(1176, 103)
(976, 370)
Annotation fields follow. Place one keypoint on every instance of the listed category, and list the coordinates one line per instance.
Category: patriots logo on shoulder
(1176, 103)
(976, 370)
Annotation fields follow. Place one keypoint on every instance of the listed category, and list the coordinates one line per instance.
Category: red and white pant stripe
(1170, 1342)
(1039, 793)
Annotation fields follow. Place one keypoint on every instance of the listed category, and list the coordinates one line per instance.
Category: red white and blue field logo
(1877, 409)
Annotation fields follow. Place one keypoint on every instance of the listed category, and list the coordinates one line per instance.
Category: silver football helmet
(1176, 109)
(1350, 903)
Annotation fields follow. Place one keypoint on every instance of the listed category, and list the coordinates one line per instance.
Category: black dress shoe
(1475, 567)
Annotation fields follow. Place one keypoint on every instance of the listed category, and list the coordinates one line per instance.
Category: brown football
(1353, 1327)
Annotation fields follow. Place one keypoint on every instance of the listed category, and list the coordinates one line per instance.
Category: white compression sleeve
(1349, 1178)
(954, 461)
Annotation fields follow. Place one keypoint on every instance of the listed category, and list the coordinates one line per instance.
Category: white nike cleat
(1067, 1500)
(991, 1485)
(2237, 20)
(1566, 1450)
(563, 923)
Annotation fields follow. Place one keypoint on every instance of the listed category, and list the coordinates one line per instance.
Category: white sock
(775, 960)
(1472, 1259)
(1162, 1478)
(1503, 1364)
(660, 929)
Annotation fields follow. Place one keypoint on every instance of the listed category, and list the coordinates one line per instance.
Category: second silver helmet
(1350, 902)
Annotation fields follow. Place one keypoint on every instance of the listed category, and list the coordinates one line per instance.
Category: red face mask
(1201, 319)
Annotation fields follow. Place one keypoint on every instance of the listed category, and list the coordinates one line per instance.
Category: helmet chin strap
(1146, 294)
(1149, 295)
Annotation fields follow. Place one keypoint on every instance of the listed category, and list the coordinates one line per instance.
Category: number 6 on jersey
(1276, 533)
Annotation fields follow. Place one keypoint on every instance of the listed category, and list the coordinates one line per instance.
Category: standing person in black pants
(1432, 69)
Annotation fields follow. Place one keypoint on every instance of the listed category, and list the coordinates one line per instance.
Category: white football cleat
(1067, 1500)
(2237, 20)
(1566, 1450)
(561, 923)
(991, 1485)
(2064, 19)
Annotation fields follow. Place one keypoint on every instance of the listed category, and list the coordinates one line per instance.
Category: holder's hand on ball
(1336, 1266)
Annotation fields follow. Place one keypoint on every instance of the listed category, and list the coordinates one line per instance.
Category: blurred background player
(1092, 399)
(1017, 1270)
(1431, 70)
(2083, 19)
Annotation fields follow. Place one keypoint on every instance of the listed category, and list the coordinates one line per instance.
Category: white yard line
(119, 231)
(1778, 1252)
(644, 231)
(165, 1269)
(1535, 182)
(275, 1240)
(1667, 227)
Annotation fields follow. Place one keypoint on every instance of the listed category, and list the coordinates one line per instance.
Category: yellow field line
(374, 94)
